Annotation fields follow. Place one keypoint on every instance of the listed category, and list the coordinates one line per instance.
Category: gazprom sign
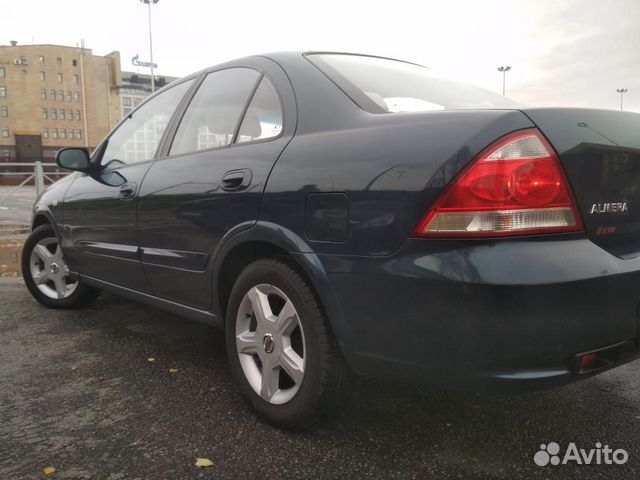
(138, 63)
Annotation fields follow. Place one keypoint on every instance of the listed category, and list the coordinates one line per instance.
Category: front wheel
(280, 348)
(46, 273)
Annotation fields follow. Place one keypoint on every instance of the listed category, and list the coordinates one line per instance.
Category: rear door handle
(236, 180)
(127, 191)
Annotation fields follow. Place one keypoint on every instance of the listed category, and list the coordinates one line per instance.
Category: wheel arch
(268, 240)
(44, 216)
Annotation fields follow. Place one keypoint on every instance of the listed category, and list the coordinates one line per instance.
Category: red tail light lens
(516, 187)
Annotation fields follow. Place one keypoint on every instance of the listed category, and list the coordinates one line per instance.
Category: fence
(16, 200)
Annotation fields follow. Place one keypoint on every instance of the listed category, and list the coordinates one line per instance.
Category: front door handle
(127, 191)
(235, 180)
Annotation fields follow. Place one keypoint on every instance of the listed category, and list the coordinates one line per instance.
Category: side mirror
(74, 159)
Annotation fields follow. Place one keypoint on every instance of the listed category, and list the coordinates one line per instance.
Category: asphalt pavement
(16, 204)
(78, 393)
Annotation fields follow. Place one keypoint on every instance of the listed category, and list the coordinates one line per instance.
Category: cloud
(593, 49)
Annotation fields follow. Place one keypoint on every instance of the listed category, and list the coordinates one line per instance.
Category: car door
(211, 178)
(100, 209)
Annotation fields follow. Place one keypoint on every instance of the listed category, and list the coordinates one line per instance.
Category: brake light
(515, 187)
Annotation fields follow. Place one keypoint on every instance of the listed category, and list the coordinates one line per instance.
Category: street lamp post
(153, 80)
(504, 71)
(621, 91)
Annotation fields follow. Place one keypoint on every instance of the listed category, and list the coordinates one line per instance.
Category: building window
(4, 111)
(53, 94)
(5, 132)
(63, 134)
(61, 114)
(79, 134)
(55, 133)
(59, 60)
(45, 133)
(43, 94)
(43, 76)
(61, 95)
(60, 78)
(44, 114)
(2, 72)
(76, 96)
(74, 62)
(54, 114)
(68, 96)
(71, 134)
(77, 116)
(70, 114)
(41, 58)
(76, 78)
(3, 92)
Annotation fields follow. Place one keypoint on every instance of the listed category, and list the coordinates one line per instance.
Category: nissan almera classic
(342, 214)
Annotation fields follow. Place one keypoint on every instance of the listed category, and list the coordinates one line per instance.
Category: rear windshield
(381, 85)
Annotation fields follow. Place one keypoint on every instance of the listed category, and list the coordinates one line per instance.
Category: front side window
(213, 114)
(138, 137)
(264, 115)
(382, 85)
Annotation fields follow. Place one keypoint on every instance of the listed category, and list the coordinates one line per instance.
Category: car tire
(46, 273)
(310, 376)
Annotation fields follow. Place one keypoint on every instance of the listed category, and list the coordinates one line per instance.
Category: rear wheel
(280, 348)
(46, 273)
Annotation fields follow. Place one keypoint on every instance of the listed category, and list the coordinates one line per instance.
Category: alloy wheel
(49, 270)
(270, 343)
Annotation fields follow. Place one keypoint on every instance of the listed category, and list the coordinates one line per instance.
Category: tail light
(515, 187)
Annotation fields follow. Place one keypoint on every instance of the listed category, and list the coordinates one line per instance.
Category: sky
(572, 53)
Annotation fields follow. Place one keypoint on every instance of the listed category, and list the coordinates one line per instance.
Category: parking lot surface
(79, 394)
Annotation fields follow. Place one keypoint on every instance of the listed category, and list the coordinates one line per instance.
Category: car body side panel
(184, 212)
(392, 169)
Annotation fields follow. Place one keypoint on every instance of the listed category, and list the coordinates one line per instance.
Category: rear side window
(214, 112)
(381, 85)
(264, 116)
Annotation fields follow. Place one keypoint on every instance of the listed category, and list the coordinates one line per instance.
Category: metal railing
(15, 218)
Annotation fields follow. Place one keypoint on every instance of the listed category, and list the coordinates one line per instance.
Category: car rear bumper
(501, 314)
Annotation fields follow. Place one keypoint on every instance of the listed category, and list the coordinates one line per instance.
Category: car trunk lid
(600, 152)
